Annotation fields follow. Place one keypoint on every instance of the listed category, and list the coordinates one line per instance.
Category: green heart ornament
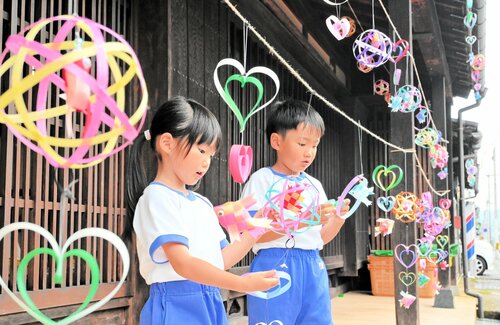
(245, 77)
(232, 105)
(58, 278)
(60, 254)
(382, 170)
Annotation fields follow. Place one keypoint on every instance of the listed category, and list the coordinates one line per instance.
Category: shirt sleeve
(161, 223)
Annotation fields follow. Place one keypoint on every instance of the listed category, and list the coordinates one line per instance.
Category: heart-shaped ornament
(406, 255)
(244, 77)
(445, 204)
(407, 278)
(240, 162)
(386, 203)
(60, 254)
(471, 39)
(442, 241)
(384, 171)
(338, 27)
(399, 50)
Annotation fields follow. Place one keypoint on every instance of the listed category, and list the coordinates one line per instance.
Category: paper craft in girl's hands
(234, 217)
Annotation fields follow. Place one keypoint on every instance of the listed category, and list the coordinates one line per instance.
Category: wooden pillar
(439, 115)
(402, 135)
(451, 186)
(150, 36)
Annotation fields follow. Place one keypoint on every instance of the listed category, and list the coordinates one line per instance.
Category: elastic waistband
(279, 252)
(181, 287)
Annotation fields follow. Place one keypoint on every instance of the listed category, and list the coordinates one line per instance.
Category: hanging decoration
(240, 162)
(384, 227)
(391, 178)
(340, 28)
(99, 100)
(386, 203)
(399, 50)
(407, 99)
(60, 254)
(407, 207)
(427, 138)
(471, 170)
(407, 257)
(372, 48)
(245, 78)
(381, 87)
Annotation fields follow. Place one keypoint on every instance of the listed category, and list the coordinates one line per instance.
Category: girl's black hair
(287, 115)
(184, 119)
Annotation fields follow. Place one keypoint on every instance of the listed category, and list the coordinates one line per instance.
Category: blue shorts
(183, 302)
(308, 299)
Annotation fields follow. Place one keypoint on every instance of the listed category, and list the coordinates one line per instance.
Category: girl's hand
(259, 281)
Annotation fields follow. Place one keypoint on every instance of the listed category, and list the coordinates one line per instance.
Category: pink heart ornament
(338, 27)
(240, 162)
(399, 50)
(445, 204)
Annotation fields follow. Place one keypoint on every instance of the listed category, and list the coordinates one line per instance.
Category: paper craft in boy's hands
(234, 217)
(357, 188)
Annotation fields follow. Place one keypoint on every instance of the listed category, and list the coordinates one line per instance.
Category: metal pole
(462, 208)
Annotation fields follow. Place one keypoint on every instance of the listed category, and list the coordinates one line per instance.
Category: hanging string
(360, 144)
(245, 44)
(373, 14)
(308, 87)
(356, 17)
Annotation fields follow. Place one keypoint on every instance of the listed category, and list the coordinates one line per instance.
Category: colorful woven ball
(410, 98)
(37, 70)
(296, 203)
(372, 48)
(427, 138)
(407, 207)
(381, 87)
(364, 68)
(438, 156)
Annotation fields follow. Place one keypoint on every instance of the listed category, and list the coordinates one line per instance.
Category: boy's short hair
(287, 115)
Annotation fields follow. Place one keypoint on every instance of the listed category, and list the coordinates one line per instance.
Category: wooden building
(179, 43)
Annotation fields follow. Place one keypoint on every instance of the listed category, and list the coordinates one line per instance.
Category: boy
(294, 130)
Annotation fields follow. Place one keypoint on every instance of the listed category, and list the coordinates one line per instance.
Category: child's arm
(332, 227)
(234, 252)
(198, 270)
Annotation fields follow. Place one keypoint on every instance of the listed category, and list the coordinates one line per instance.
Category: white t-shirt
(164, 215)
(260, 182)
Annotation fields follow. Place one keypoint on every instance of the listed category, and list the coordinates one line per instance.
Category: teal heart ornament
(245, 78)
(60, 254)
(471, 39)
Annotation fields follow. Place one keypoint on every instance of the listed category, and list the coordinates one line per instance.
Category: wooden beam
(402, 135)
(427, 31)
(296, 50)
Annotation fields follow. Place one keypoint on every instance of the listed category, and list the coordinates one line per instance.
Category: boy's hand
(326, 211)
(345, 208)
(259, 281)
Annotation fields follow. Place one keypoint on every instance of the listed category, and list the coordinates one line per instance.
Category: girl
(182, 250)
